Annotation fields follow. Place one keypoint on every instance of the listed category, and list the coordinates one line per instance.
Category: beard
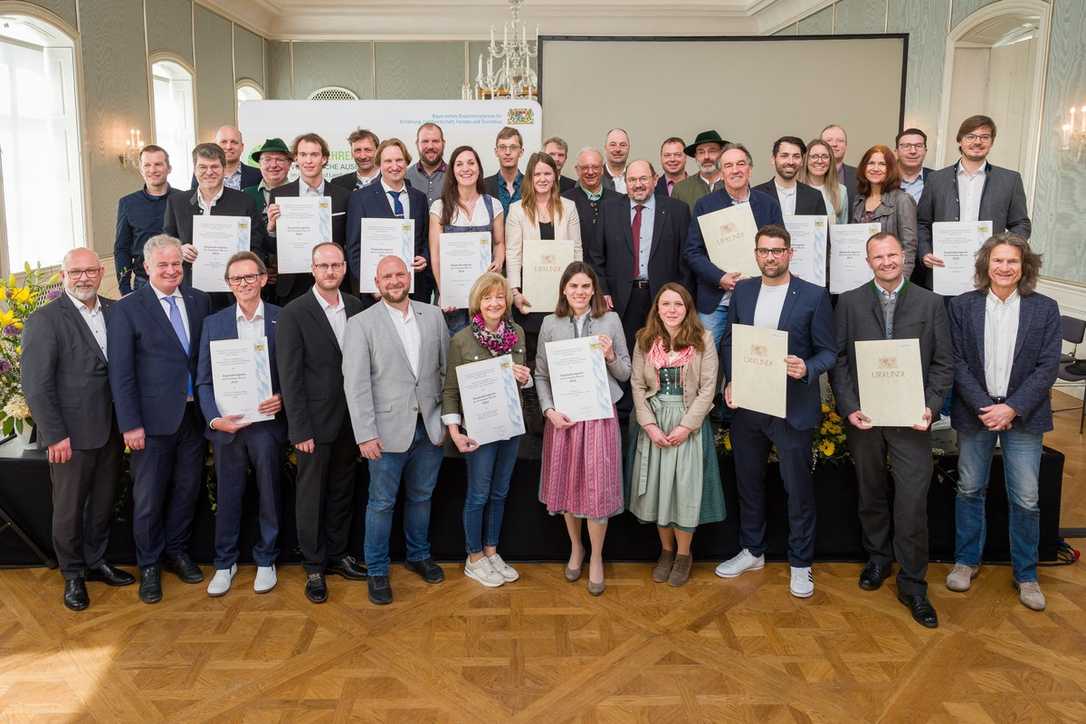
(393, 296)
(83, 294)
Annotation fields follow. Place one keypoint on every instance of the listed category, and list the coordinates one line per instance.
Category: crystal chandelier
(508, 71)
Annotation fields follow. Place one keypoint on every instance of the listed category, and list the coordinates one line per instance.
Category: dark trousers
(256, 445)
(83, 492)
(903, 532)
(325, 499)
(752, 433)
(166, 483)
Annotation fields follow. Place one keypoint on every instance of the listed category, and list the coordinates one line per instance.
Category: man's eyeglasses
(325, 268)
(237, 281)
(80, 273)
(776, 252)
(973, 137)
(912, 146)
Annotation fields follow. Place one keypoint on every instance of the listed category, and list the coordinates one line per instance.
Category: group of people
(373, 375)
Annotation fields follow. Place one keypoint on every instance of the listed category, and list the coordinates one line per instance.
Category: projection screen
(752, 90)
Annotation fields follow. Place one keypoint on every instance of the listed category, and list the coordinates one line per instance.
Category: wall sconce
(131, 156)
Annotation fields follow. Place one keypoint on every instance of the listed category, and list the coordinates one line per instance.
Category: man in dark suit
(794, 198)
(672, 166)
(364, 151)
(558, 150)
(714, 285)
(153, 345)
(390, 198)
(589, 193)
(1006, 354)
(311, 154)
(239, 443)
(66, 383)
(310, 358)
(236, 174)
(835, 137)
(778, 300)
(505, 184)
(889, 307)
(971, 190)
(632, 269)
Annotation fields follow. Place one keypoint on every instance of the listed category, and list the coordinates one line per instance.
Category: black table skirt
(529, 533)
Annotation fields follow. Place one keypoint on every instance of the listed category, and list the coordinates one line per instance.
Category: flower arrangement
(827, 445)
(17, 303)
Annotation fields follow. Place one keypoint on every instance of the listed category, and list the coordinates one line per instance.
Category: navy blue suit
(707, 274)
(151, 376)
(260, 444)
(808, 319)
(373, 202)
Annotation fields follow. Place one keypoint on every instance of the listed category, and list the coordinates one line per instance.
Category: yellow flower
(825, 408)
(20, 295)
(727, 441)
(834, 417)
(827, 448)
(3, 292)
(6, 317)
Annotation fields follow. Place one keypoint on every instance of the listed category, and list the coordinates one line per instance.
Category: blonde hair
(830, 182)
(485, 284)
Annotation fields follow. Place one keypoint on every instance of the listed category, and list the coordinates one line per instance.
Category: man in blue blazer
(153, 342)
(1007, 341)
(714, 285)
(237, 443)
(778, 300)
(390, 198)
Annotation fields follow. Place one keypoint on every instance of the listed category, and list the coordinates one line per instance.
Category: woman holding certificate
(581, 467)
(673, 478)
(464, 209)
(819, 171)
(879, 198)
(490, 334)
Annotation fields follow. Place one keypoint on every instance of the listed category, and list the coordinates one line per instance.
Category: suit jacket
(610, 252)
(66, 376)
(224, 325)
(347, 181)
(565, 183)
(1003, 202)
(707, 274)
(518, 229)
(1033, 372)
(917, 314)
(149, 370)
(181, 208)
(808, 318)
(809, 200)
(372, 202)
(848, 178)
(896, 214)
(383, 394)
(340, 198)
(588, 215)
(250, 176)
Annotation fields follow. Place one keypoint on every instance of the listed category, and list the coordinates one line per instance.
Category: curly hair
(1031, 262)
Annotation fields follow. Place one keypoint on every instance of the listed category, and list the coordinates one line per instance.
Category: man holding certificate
(872, 320)
(777, 301)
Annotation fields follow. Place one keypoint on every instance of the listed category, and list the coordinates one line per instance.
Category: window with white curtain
(248, 91)
(40, 162)
(175, 118)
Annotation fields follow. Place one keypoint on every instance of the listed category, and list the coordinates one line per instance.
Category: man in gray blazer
(393, 375)
(65, 378)
(889, 307)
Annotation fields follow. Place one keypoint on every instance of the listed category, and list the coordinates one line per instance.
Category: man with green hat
(706, 150)
(274, 159)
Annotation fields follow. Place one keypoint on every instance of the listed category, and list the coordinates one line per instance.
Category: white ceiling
(471, 19)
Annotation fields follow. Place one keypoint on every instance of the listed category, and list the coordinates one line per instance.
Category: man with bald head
(237, 175)
(589, 192)
(393, 374)
(617, 148)
(65, 378)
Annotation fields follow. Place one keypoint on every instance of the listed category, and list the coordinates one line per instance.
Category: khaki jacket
(699, 386)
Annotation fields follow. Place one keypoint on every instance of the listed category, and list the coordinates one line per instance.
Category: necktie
(635, 232)
(179, 330)
(397, 207)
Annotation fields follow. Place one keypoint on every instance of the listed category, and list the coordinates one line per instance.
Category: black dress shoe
(430, 571)
(348, 567)
(75, 594)
(109, 575)
(150, 584)
(873, 574)
(316, 590)
(185, 569)
(921, 609)
(380, 591)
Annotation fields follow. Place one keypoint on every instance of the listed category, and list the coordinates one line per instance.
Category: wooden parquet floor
(542, 649)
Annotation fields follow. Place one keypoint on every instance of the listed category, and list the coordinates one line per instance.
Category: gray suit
(557, 328)
(65, 377)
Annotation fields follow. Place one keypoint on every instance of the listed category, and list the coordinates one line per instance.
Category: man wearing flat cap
(706, 150)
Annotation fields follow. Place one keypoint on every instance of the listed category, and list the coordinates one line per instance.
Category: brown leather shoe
(663, 566)
(680, 572)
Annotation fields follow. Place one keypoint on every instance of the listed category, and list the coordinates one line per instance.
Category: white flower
(17, 408)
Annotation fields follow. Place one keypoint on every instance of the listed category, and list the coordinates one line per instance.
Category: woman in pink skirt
(582, 461)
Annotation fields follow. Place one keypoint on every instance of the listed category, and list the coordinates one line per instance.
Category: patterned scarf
(659, 358)
(498, 342)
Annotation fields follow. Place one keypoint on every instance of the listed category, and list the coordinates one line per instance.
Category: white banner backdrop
(473, 123)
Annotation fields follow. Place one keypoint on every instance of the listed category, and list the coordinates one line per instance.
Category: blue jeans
(490, 468)
(418, 466)
(716, 322)
(1021, 472)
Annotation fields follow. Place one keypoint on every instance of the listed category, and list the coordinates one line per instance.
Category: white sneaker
(943, 423)
(504, 570)
(802, 584)
(220, 582)
(265, 579)
(745, 561)
(483, 572)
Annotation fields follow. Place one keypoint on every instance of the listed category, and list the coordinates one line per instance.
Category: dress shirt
(251, 328)
(404, 198)
(361, 183)
(428, 184)
(233, 181)
(736, 201)
(767, 310)
(94, 319)
(787, 198)
(205, 208)
(504, 196)
(619, 181)
(336, 313)
(970, 189)
(915, 187)
(304, 189)
(648, 215)
(180, 306)
(889, 305)
(408, 330)
(1000, 334)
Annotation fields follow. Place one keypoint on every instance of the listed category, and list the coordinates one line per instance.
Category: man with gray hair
(589, 192)
(236, 174)
(153, 338)
(66, 383)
